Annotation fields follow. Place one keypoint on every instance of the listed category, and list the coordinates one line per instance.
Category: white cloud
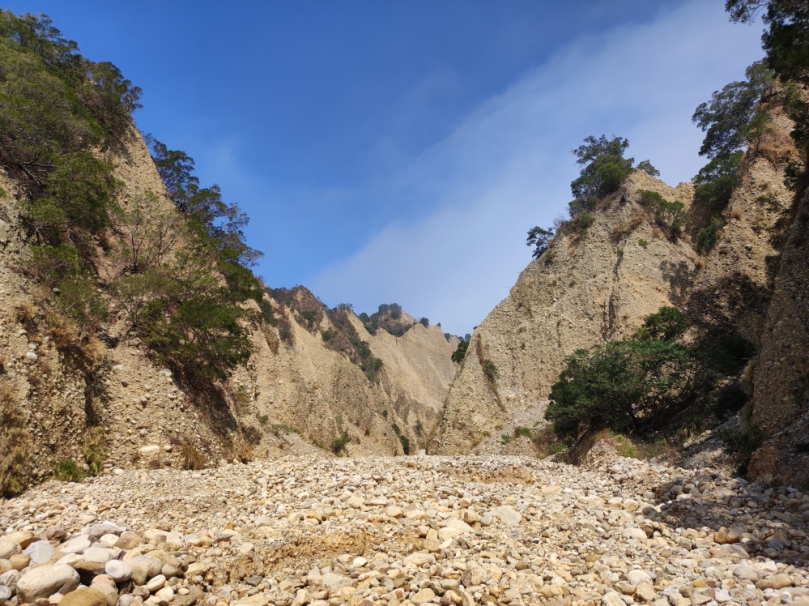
(508, 166)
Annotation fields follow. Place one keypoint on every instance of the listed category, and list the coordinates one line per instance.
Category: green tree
(716, 181)
(540, 239)
(670, 215)
(219, 223)
(79, 193)
(707, 236)
(647, 167)
(786, 41)
(733, 117)
(52, 99)
(52, 264)
(460, 352)
(604, 170)
(149, 233)
(626, 386)
(667, 324)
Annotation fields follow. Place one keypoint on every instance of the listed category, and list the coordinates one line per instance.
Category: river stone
(10, 578)
(745, 572)
(419, 559)
(23, 538)
(423, 596)
(86, 596)
(8, 548)
(612, 598)
(5, 594)
(118, 570)
(97, 531)
(104, 579)
(97, 554)
(76, 545)
(634, 533)
(636, 577)
(41, 552)
(332, 580)
(473, 576)
(129, 540)
(156, 583)
(775, 581)
(110, 593)
(19, 561)
(44, 581)
(190, 599)
(459, 525)
(508, 515)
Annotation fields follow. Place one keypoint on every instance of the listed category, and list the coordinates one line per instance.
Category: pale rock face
(587, 293)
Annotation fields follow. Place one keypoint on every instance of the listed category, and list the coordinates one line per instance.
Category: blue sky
(398, 151)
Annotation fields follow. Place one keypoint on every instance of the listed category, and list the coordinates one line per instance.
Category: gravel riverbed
(407, 530)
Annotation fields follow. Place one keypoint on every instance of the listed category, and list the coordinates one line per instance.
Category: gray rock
(9, 579)
(40, 552)
(118, 570)
(745, 572)
(508, 515)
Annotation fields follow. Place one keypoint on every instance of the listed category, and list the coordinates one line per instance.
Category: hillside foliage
(182, 281)
(638, 385)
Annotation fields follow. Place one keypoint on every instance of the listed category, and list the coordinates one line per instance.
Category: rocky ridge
(420, 530)
(598, 286)
(587, 289)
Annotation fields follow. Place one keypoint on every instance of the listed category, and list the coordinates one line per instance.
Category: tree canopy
(53, 100)
(540, 239)
(604, 169)
(733, 118)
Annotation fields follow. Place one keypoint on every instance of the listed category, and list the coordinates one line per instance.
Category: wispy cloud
(508, 166)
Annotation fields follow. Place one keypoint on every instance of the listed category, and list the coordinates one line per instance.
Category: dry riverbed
(406, 530)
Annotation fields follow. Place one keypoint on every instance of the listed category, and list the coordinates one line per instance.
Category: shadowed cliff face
(588, 288)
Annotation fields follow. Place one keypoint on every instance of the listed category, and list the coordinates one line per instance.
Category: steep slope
(66, 393)
(753, 283)
(587, 289)
(314, 385)
(734, 290)
(781, 374)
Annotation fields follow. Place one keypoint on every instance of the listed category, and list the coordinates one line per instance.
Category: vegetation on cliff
(638, 385)
(182, 283)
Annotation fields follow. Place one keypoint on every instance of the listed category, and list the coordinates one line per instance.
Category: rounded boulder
(44, 581)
